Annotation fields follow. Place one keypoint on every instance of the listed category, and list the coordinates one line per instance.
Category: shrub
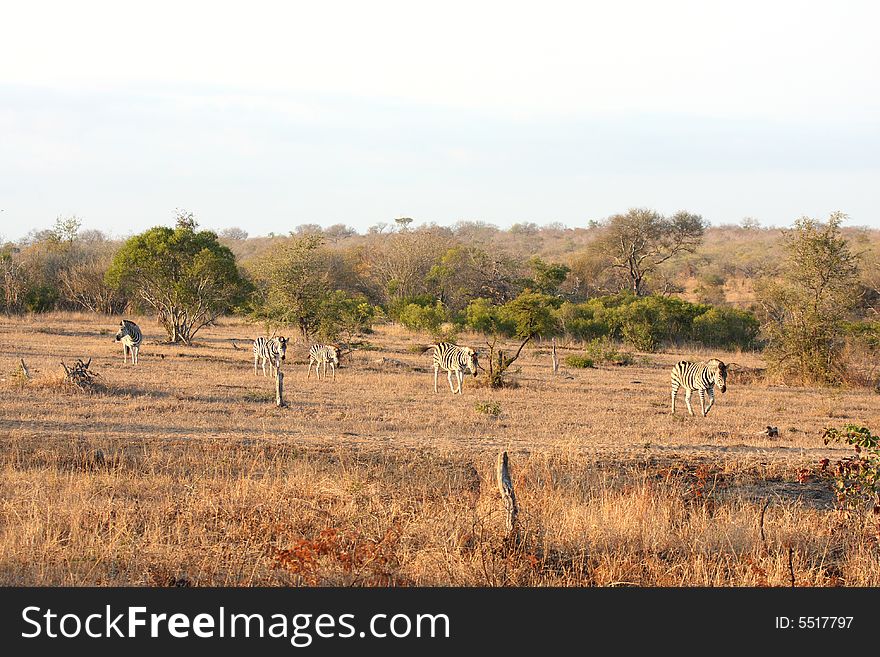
(726, 328)
(399, 305)
(427, 318)
(857, 477)
(605, 352)
(582, 362)
(648, 322)
(40, 299)
(488, 408)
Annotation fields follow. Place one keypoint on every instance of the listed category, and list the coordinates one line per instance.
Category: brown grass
(181, 471)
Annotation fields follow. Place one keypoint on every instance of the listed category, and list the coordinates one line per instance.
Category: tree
(234, 233)
(291, 283)
(805, 311)
(84, 284)
(307, 229)
(403, 223)
(188, 277)
(465, 272)
(641, 240)
(338, 232)
(398, 264)
(528, 316)
(345, 316)
(546, 277)
(66, 229)
(185, 219)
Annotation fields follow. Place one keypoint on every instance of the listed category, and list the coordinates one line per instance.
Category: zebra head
(333, 354)
(123, 331)
(719, 369)
(282, 347)
(471, 358)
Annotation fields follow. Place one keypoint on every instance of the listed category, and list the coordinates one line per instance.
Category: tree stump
(279, 389)
(79, 374)
(508, 497)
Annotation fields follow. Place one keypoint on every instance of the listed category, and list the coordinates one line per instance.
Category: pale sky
(267, 115)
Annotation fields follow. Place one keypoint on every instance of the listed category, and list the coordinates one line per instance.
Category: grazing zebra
(272, 350)
(322, 354)
(702, 377)
(130, 336)
(451, 358)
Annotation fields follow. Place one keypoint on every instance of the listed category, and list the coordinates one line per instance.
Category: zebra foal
(323, 354)
(271, 350)
(701, 377)
(453, 359)
(130, 336)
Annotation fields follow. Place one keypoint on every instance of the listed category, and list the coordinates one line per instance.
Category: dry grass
(182, 471)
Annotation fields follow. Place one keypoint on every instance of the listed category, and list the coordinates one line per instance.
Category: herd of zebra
(699, 377)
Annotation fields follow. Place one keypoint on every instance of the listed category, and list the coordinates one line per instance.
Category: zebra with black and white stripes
(271, 350)
(453, 359)
(701, 377)
(323, 355)
(130, 336)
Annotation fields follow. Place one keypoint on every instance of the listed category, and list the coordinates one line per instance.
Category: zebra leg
(702, 402)
(436, 369)
(674, 393)
(134, 354)
(333, 369)
(449, 378)
(256, 358)
(310, 369)
(460, 376)
(687, 400)
(711, 401)
(325, 370)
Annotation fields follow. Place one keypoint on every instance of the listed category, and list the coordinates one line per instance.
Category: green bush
(425, 318)
(40, 299)
(579, 361)
(398, 306)
(605, 352)
(726, 327)
(648, 322)
(488, 408)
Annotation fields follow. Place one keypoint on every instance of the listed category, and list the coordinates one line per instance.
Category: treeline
(639, 277)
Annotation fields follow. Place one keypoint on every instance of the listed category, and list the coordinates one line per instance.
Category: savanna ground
(181, 471)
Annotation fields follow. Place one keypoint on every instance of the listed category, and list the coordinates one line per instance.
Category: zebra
(702, 377)
(272, 350)
(322, 354)
(452, 358)
(130, 336)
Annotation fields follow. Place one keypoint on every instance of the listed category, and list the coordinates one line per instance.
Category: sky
(267, 115)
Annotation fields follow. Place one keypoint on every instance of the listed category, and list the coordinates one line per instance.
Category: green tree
(292, 282)
(188, 277)
(528, 316)
(345, 316)
(806, 309)
(546, 277)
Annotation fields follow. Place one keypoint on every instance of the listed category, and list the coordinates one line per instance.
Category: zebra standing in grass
(452, 358)
(323, 354)
(272, 350)
(130, 336)
(702, 377)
